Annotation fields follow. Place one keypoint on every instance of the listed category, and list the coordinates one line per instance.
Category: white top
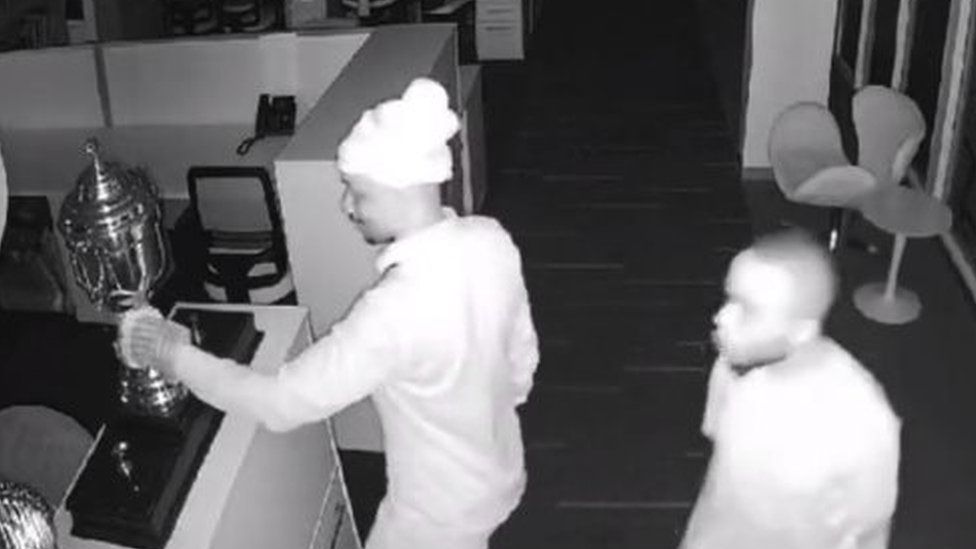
(444, 342)
(805, 455)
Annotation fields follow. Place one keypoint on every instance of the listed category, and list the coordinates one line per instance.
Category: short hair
(809, 265)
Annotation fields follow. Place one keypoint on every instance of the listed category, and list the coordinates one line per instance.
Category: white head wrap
(403, 142)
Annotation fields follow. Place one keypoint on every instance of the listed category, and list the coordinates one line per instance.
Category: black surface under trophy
(134, 483)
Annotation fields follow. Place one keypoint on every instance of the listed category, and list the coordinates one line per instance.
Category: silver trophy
(111, 224)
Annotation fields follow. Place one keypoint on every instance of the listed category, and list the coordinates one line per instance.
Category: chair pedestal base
(901, 307)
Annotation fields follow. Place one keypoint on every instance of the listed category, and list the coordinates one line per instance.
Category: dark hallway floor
(618, 178)
(612, 165)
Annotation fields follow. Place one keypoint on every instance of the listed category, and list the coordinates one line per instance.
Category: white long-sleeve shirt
(445, 344)
(805, 456)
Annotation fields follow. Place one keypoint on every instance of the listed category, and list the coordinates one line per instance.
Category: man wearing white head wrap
(443, 340)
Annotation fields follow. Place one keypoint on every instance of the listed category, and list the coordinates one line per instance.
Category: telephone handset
(275, 116)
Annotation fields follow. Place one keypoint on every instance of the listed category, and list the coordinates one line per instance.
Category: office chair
(366, 8)
(810, 166)
(236, 210)
(191, 17)
(42, 448)
(251, 15)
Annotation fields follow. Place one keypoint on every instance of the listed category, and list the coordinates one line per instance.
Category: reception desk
(255, 488)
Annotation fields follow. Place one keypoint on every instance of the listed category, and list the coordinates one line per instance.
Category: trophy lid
(108, 197)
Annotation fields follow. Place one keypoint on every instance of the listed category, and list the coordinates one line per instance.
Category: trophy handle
(96, 289)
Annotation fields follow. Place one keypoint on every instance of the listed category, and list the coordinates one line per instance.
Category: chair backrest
(240, 14)
(233, 199)
(251, 15)
(237, 210)
(186, 15)
(804, 140)
(42, 448)
(890, 128)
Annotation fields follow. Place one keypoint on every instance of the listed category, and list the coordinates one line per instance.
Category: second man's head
(778, 293)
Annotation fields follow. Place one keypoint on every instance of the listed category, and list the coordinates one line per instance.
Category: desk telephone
(275, 116)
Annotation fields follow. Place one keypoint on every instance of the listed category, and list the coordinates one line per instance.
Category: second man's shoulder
(858, 386)
(487, 230)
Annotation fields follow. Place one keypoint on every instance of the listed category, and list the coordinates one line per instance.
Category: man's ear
(804, 330)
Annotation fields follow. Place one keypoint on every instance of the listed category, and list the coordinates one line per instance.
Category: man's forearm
(230, 387)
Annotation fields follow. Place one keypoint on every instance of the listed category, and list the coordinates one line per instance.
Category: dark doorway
(723, 28)
(928, 39)
(885, 41)
(962, 187)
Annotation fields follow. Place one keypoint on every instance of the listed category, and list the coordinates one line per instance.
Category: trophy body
(133, 485)
(111, 224)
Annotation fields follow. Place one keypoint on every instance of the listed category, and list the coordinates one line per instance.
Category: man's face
(371, 207)
(756, 321)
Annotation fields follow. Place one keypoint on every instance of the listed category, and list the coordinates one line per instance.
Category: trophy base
(146, 393)
(136, 480)
(134, 484)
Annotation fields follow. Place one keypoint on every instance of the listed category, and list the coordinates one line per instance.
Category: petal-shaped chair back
(890, 128)
(42, 448)
(803, 141)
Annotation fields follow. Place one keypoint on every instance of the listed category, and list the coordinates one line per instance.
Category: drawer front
(502, 16)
